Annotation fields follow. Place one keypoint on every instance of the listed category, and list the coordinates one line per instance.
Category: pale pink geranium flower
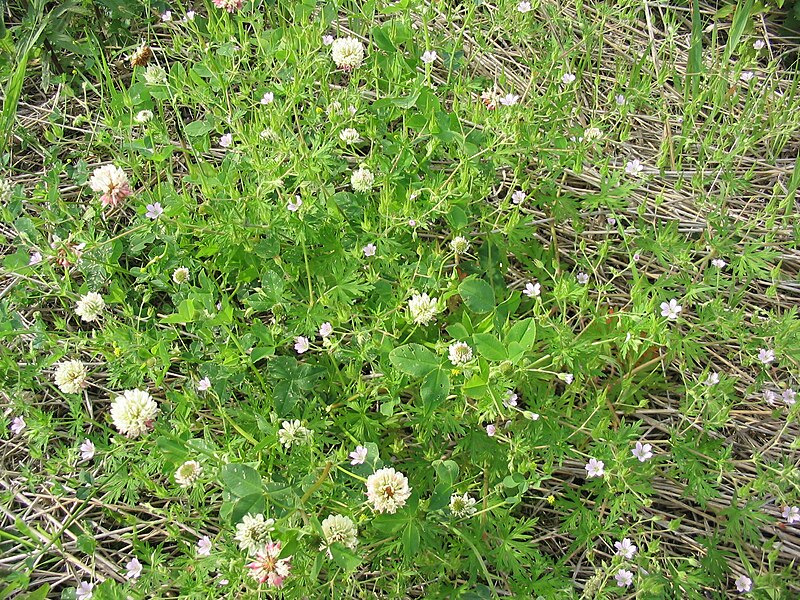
(595, 468)
(229, 5)
(712, 379)
(620, 100)
(524, 7)
(154, 211)
(226, 140)
(327, 40)
(358, 456)
(429, 57)
(671, 309)
(18, 425)
(295, 206)
(267, 98)
(36, 258)
(204, 384)
(642, 451)
(87, 450)
(624, 578)
(582, 278)
(133, 569)
(791, 514)
(743, 584)
(567, 78)
(166, 16)
(369, 250)
(509, 99)
(491, 430)
(325, 330)
(626, 549)
(268, 568)
(204, 546)
(766, 356)
(518, 197)
(633, 167)
(718, 263)
(532, 290)
(789, 397)
(84, 591)
(511, 399)
(759, 44)
(112, 183)
(301, 344)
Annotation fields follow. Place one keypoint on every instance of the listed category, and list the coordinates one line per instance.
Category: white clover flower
(633, 167)
(180, 275)
(429, 56)
(143, 116)
(626, 549)
(293, 432)
(90, 307)
(347, 53)
(268, 568)
(155, 75)
(743, 584)
(459, 353)
(591, 134)
(133, 412)
(188, 473)
(6, 189)
(70, 376)
(339, 529)
(595, 468)
(253, 532)
(462, 506)
(387, 490)
(671, 309)
(112, 183)
(87, 450)
(362, 180)
(422, 309)
(349, 136)
(459, 244)
(624, 578)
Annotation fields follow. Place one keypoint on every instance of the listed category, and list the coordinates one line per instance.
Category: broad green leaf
(249, 504)
(344, 557)
(197, 128)
(489, 346)
(414, 359)
(434, 389)
(477, 294)
(476, 387)
(241, 480)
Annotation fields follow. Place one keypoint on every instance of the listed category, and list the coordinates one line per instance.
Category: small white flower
(358, 456)
(143, 116)
(133, 569)
(518, 197)
(35, 259)
(339, 529)
(712, 379)
(789, 397)
(327, 40)
(671, 309)
(626, 549)
(620, 100)
(204, 546)
(155, 75)
(112, 182)
(491, 430)
(18, 425)
(369, 250)
(462, 506)
(190, 14)
(511, 399)
(746, 76)
(87, 450)
(188, 473)
(459, 353)
(362, 180)
(154, 211)
(301, 344)
(347, 53)
(166, 16)
(509, 99)
(583, 278)
(770, 397)
(624, 578)
(293, 432)
(791, 514)
(180, 275)
(267, 98)
(766, 356)
(84, 591)
(295, 206)
(422, 309)
(133, 412)
(532, 290)
(591, 134)
(226, 140)
(595, 468)
(90, 307)
(387, 490)
(567, 378)
(524, 7)
(718, 263)
(6, 190)
(459, 244)
(759, 45)
(429, 56)
(743, 584)
(642, 451)
(70, 376)
(253, 532)
(204, 384)
(325, 330)
(349, 136)
(567, 78)
(633, 167)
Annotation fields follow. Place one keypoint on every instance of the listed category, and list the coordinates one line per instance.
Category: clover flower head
(133, 412)
(253, 532)
(362, 180)
(347, 53)
(90, 307)
(268, 568)
(459, 245)
(387, 490)
(70, 376)
(112, 183)
(229, 5)
(188, 473)
(339, 529)
(462, 505)
(422, 309)
(459, 353)
(349, 136)
(294, 432)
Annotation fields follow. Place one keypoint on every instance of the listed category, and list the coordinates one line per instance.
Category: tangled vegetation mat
(370, 299)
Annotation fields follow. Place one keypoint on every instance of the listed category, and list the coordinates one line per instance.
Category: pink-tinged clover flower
(229, 5)
(112, 183)
(268, 568)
